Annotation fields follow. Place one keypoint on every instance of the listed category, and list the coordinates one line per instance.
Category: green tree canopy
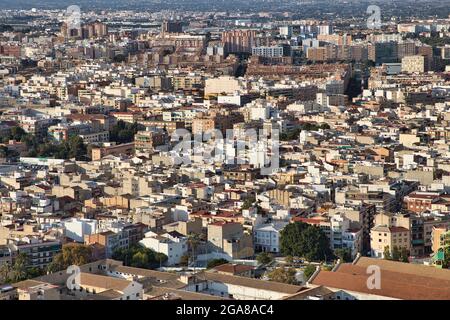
(395, 253)
(304, 240)
(284, 275)
(404, 255)
(139, 257)
(446, 262)
(344, 254)
(5, 273)
(184, 260)
(19, 268)
(308, 271)
(264, 258)
(123, 132)
(215, 262)
(71, 254)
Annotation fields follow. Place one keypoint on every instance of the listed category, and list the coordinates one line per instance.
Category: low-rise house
(173, 244)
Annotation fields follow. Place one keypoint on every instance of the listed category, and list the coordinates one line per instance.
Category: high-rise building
(406, 49)
(238, 41)
(383, 52)
(69, 32)
(172, 27)
(316, 54)
(413, 64)
(325, 29)
(286, 31)
(427, 52)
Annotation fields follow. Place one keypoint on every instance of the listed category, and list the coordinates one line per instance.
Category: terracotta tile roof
(317, 291)
(108, 294)
(233, 268)
(99, 281)
(396, 289)
(398, 280)
(408, 268)
(413, 279)
(27, 284)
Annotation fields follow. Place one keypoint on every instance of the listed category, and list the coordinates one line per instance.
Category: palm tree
(193, 241)
(5, 271)
(19, 269)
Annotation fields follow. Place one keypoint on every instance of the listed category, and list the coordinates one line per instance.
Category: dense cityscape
(225, 150)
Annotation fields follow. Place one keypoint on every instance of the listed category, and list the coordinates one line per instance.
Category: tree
(75, 148)
(290, 135)
(289, 259)
(248, 203)
(184, 260)
(326, 267)
(446, 262)
(304, 240)
(19, 269)
(284, 275)
(35, 272)
(215, 262)
(193, 240)
(395, 253)
(3, 152)
(344, 254)
(264, 258)
(308, 272)
(404, 256)
(124, 132)
(387, 253)
(5, 272)
(17, 133)
(139, 257)
(71, 254)
(140, 260)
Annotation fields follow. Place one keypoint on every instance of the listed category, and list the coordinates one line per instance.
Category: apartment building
(236, 41)
(413, 64)
(266, 237)
(382, 236)
(40, 252)
(148, 140)
(116, 150)
(230, 240)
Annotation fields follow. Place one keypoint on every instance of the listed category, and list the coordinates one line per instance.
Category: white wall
(76, 229)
